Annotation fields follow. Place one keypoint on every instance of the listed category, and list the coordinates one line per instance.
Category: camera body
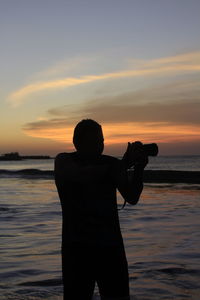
(151, 149)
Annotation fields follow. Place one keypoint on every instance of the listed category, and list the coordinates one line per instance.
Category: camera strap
(124, 204)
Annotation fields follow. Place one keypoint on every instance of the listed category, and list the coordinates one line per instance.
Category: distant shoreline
(15, 156)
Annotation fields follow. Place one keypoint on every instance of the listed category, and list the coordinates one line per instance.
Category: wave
(150, 176)
(174, 186)
(165, 176)
(47, 282)
(27, 173)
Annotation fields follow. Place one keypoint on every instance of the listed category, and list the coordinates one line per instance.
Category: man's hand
(135, 155)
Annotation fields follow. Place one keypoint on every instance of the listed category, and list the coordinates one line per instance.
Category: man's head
(88, 138)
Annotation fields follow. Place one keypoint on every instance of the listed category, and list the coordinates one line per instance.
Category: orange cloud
(118, 133)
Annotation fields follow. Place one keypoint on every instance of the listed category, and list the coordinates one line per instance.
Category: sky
(131, 65)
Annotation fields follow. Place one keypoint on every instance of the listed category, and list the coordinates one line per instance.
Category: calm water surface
(161, 235)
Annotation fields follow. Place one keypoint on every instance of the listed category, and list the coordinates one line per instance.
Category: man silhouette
(92, 245)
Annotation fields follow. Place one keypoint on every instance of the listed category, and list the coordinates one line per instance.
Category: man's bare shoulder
(68, 158)
(110, 159)
(61, 160)
(63, 156)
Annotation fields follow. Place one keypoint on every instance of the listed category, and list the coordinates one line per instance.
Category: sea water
(161, 235)
(175, 162)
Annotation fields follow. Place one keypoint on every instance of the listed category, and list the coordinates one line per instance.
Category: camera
(151, 149)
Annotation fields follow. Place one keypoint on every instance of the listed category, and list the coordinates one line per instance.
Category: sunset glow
(118, 133)
(133, 68)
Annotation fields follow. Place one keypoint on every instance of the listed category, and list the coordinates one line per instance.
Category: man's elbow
(134, 196)
(133, 200)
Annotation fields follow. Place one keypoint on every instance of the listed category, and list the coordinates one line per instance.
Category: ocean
(161, 234)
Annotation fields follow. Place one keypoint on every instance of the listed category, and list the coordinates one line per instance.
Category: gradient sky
(132, 65)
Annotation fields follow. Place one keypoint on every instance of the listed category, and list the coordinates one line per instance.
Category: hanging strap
(124, 204)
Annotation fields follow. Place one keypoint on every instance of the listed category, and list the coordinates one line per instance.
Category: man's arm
(59, 175)
(130, 184)
(130, 181)
(58, 168)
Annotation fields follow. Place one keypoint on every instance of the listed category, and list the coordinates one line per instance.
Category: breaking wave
(150, 176)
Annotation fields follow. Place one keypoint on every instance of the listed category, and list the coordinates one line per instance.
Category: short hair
(83, 127)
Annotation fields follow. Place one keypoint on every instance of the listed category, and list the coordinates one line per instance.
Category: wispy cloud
(187, 58)
(65, 67)
(180, 64)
